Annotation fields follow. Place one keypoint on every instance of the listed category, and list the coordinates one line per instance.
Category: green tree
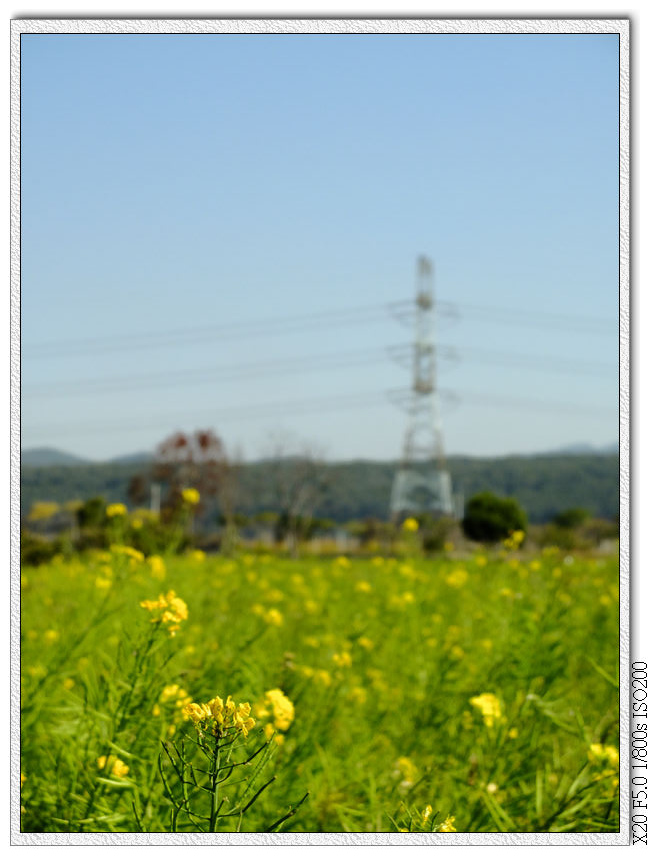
(571, 518)
(490, 518)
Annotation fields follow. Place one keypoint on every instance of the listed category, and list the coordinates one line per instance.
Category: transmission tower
(422, 483)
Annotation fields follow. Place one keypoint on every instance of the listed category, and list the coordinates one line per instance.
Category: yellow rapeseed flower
(457, 578)
(219, 717)
(169, 610)
(342, 659)
(405, 770)
(274, 617)
(448, 825)
(278, 707)
(115, 766)
(410, 524)
(604, 754)
(489, 706)
(116, 510)
(131, 552)
(42, 511)
(191, 496)
(515, 540)
(157, 566)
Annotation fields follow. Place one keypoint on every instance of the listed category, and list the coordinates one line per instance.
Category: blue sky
(176, 189)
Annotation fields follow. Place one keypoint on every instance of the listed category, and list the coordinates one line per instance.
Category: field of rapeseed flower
(261, 693)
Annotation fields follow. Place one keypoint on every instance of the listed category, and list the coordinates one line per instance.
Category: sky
(215, 230)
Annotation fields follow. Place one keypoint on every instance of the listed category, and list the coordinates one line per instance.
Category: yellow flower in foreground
(489, 706)
(604, 754)
(448, 825)
(410, 524)
(115, 765)
(220, 717)
(116, 510)
(191, 496)
(169, 610)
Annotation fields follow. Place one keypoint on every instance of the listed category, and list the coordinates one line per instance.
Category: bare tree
(297, 474)
(197, 461)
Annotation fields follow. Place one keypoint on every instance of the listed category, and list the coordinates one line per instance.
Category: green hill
(544, 485)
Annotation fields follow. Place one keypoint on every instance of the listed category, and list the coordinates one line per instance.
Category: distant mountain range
(46, 457)
(351, 490)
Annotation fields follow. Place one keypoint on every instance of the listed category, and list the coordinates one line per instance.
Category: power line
(529, 317)
(278, 366)
(303, 364)
(326, 404)
(312, 321)
(233, 330)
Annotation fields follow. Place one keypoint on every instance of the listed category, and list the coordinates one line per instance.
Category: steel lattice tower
(422, 484)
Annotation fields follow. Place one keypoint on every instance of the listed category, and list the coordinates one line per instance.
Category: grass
(380, 658)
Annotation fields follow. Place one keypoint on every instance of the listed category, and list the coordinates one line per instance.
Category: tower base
(421, 491)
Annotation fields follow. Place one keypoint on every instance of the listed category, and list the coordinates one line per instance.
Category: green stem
(214, 793)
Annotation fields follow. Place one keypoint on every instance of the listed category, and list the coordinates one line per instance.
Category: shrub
(490, 518)
(38, 551)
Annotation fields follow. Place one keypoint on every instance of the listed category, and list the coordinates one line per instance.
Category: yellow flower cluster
(278, 709)
(220, 717)
(157, 567)
(342, 659)
(457, 578)
(133, 554)
(489, 706)
(170, 610)
(175, 695)
(604, 754)
(116, 510)
(410, 524)
(271, 617)
(43, 510)
(406, 771)
(115, 766)
(448, 825)
(191, 496)
(515, 540)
